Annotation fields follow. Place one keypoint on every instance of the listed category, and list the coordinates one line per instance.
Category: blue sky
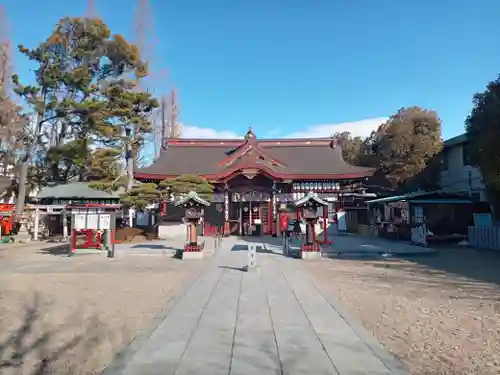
(290, 66)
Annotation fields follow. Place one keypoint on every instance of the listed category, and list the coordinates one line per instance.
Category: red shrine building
(256, 179)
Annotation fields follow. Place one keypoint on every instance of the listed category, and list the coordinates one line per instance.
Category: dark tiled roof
(205, 157)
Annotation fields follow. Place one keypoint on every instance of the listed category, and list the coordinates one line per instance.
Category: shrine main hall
(255, 180)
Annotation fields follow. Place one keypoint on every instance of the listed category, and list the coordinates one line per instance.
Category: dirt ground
(73, 315)
(439, 314)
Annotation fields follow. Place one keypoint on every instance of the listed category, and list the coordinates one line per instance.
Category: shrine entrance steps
(273, 321)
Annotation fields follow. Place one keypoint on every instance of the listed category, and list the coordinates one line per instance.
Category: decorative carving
(250, 135)
(250, 173)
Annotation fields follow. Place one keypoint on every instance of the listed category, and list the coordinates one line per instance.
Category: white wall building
(458, 176)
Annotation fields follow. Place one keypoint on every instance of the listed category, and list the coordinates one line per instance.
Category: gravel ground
(438, 314)
(73, 315)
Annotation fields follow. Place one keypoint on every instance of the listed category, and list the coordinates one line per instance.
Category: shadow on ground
(243, 268)
(59, 250)
(33, 348)
(475, 264)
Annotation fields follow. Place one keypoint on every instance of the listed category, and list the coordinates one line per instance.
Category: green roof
(74, 190)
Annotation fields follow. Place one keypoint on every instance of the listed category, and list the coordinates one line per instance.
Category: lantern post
(309, 205)
(194, 212)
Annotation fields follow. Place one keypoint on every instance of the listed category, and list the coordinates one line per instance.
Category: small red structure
(90, 220)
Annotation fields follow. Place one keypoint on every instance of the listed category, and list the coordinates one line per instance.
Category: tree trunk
(130, 165)
(23, 176)
(130, 173)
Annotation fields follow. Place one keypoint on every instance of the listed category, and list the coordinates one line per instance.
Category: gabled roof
(192, 195)
(219, 159)
(311, 196)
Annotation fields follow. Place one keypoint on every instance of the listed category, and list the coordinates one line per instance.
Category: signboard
(92, 221)
(291, 225)
(79, 222)
(104, 221)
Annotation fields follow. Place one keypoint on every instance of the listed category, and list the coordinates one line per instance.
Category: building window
(466, 154)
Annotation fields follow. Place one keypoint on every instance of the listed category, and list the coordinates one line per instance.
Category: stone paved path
(274, 321)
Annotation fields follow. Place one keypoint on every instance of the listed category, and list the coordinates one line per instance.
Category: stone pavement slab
(273, 321)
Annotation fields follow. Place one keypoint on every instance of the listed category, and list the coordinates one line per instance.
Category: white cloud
(196, 132)
(361, 128)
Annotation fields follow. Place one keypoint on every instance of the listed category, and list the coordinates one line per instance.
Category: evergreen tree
(483, 131)
(142, 195)
(185, 183)
(406, 146)
(84, 95)
(351, 147)
(105, 171)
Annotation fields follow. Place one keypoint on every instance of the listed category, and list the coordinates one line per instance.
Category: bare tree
(11, 123)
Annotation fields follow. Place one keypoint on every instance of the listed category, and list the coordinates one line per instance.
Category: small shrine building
(254, 179)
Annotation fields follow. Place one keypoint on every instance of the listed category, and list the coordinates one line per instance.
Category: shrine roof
(319, 158)
(79, 190)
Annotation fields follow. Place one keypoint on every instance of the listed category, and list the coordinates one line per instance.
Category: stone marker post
(252, 258)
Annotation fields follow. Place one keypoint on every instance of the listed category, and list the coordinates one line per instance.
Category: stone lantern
(309, 204)
(194, 213)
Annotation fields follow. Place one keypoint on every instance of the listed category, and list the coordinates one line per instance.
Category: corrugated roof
(74, 190)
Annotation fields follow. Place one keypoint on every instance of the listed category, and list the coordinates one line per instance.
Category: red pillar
(73, 240)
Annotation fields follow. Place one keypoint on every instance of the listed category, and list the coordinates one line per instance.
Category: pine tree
(83, 96)
(106, 171)
(142, 195)
(185, 183)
